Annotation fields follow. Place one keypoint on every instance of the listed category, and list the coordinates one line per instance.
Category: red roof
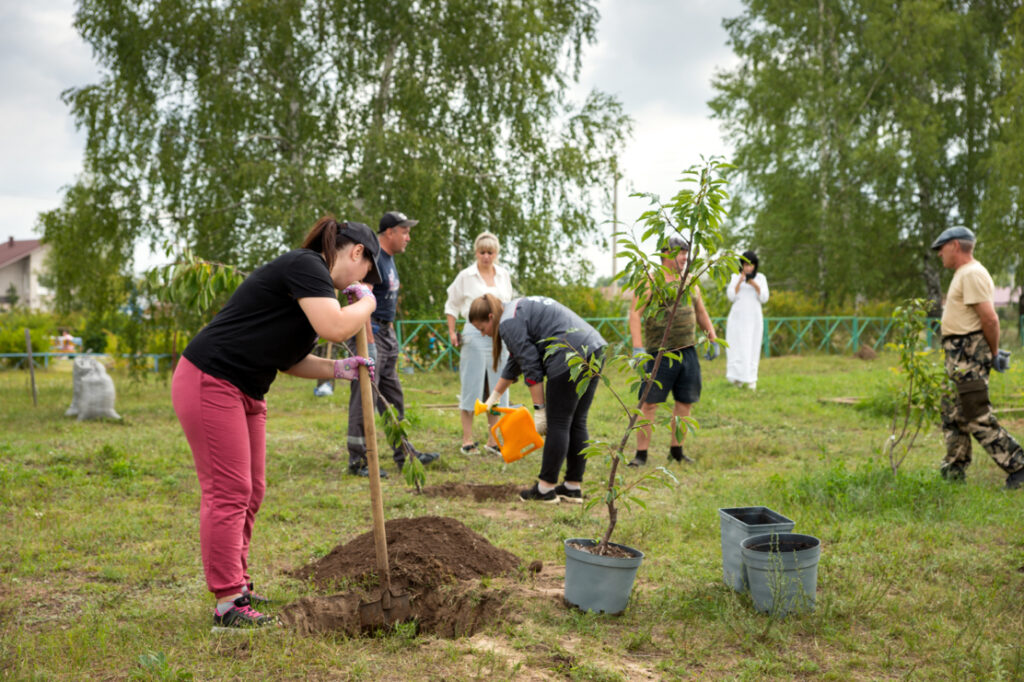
(14, 249)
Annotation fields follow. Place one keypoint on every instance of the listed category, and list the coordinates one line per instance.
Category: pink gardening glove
(348, 368)
(357, 291)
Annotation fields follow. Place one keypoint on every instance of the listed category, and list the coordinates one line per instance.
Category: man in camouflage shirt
(647, 322)
(970, 339)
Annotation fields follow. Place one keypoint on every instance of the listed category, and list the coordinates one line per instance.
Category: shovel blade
(375, 614)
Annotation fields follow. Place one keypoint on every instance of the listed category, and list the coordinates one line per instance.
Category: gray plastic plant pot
(782, 569)
(738, 524)
(599, 583)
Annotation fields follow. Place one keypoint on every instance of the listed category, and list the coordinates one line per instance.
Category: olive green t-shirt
(683, 333)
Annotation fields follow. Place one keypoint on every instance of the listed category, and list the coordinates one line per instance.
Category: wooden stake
(31, 366)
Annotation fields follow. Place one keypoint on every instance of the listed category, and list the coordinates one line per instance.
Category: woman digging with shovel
(526, 326)
(269, 324)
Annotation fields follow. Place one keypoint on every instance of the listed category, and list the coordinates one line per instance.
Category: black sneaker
(681, 458)
(568, 495)
(241, 615)
(534, 493)
(364, 471)
(256, 599)
(638, 461)
(1015, 480)
(428, 457)
(425, 458)
(955, 472)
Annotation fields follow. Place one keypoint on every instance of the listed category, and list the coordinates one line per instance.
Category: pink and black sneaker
(256, 599)
(241, 615)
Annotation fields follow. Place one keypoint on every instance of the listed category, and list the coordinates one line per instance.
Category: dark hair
(480, 310)
(749, 256)
(327, 238)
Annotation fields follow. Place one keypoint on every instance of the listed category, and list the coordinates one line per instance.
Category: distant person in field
(748, 291)
(526, 326)
(477, 374)
(66, 342)
(970, 339)
(647, 322)
(269, 324)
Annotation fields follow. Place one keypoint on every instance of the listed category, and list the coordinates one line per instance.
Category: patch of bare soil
(437, 560)
(478, 491)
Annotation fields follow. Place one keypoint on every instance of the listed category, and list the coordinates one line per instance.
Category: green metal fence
(424, 343)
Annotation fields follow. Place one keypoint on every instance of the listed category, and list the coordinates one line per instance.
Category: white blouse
(470, 285)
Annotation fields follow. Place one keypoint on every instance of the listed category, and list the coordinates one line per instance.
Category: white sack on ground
(94, 398)
(78, 370)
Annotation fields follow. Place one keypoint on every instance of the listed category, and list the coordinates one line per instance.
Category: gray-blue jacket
(527, 327)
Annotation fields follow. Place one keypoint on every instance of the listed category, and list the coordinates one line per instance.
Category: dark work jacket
(527, 327)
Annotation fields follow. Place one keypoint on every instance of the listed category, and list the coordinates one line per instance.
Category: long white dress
(745, 329)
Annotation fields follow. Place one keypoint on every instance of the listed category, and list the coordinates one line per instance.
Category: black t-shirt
(262, 329)
(386, 292)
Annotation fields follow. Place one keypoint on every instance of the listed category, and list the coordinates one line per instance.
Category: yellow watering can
(515, 432)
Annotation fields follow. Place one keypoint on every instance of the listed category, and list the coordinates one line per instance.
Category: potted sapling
(599, 573)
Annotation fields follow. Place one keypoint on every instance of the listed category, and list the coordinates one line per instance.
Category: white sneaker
(323, 390)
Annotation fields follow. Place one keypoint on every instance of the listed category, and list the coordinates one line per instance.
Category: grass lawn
(100, 575)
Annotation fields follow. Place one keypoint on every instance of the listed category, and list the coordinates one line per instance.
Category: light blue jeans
(476, 365)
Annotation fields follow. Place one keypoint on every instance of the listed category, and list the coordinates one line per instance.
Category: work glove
(356, 292)
(540, 420)
(492, 400)
(637, 358)
(348, 368)
(712, 352)
(371, 351)
(1001, 361)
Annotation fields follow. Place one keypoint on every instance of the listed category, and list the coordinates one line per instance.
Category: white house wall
(24, 275)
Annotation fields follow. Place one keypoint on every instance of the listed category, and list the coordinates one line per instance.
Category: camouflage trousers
(967, 412)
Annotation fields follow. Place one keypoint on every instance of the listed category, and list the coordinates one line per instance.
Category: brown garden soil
(437, 560)
(478, 491)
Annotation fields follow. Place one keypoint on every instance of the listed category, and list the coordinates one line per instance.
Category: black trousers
(567, 428)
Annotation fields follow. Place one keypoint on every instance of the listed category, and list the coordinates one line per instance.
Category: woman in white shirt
(748, 291)
(476, 367)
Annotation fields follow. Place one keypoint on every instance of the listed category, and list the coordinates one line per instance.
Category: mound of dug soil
(437, 560)
(478, 491)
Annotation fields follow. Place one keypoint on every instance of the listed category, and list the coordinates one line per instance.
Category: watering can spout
(479, 408)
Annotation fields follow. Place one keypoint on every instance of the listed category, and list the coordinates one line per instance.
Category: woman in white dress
(748, 291)
(476, 366)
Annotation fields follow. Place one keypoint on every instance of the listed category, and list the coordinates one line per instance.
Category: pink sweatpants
(226, 430)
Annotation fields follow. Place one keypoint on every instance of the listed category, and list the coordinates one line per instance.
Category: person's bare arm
(636, 336)
(703, 319)
(332, 322)
(312, 367)
(989, 324)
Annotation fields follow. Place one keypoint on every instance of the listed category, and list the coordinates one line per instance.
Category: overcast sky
(656, 56)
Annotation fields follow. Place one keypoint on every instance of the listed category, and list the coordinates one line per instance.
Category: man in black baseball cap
(395, 219)
(393, 233)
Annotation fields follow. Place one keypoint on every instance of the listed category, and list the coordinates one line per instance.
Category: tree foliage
(862, 128)
(695, 213)
(1003, 207)
(918, 399)
(227, 127)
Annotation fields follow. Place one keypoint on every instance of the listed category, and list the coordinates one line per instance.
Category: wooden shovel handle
(380, 539)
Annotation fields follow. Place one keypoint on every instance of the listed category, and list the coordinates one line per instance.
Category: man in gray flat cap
(970, 339)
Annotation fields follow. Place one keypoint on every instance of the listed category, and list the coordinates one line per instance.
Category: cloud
(658, 57)
(41, 55)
